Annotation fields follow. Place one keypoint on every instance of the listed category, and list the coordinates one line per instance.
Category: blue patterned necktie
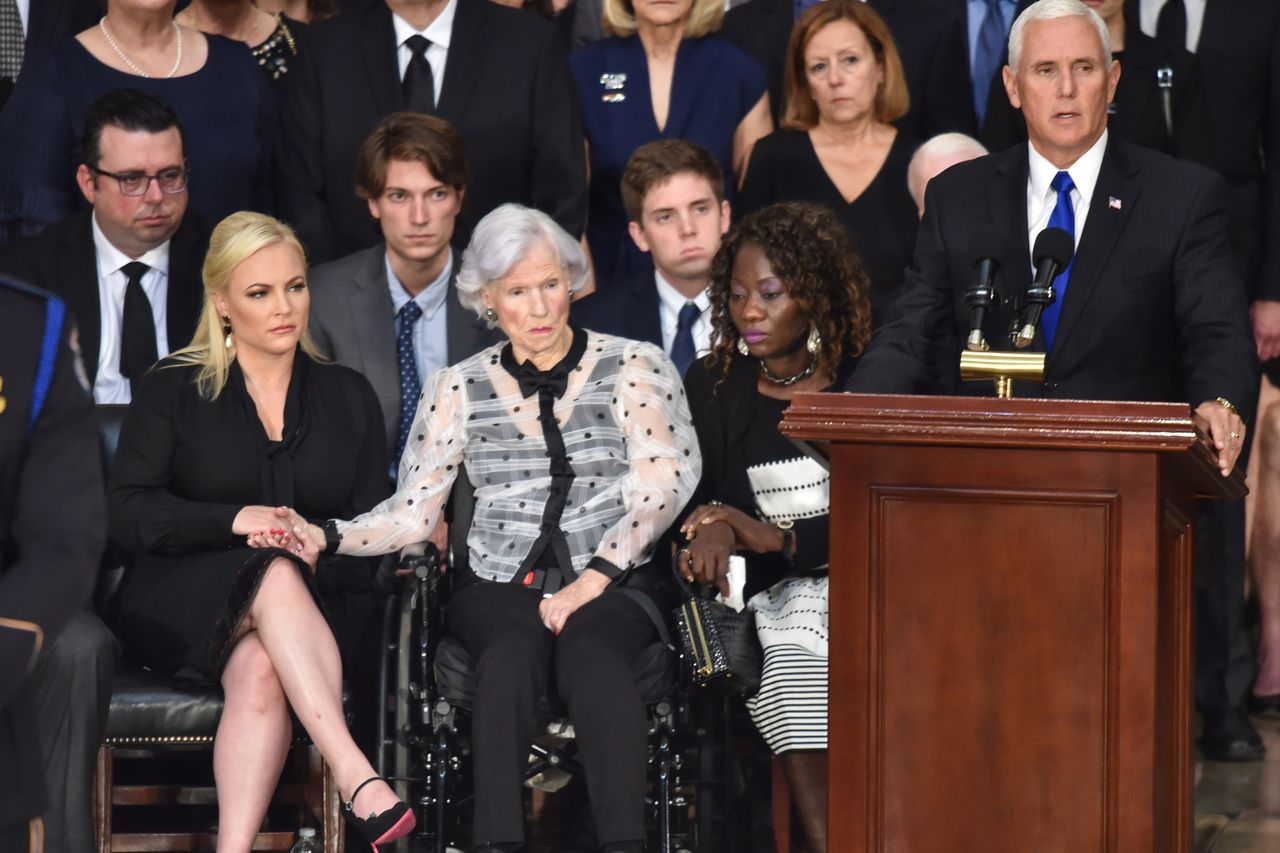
(410, 382)
(683, 350)
(986, 60)
(1064, 217)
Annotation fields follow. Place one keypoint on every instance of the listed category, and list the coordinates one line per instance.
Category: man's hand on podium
(1219, 420)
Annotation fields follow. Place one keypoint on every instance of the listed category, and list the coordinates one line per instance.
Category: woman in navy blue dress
(222, 99)
(661, 76)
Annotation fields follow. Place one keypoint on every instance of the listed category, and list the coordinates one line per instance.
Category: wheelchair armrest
(423, 557)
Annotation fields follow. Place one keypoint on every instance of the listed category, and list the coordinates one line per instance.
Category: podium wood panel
(1011, 623)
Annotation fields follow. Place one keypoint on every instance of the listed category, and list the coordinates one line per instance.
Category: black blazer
(629, 308)
(1239, 54)
(929, 42)
(507, 89)
(62, 259)
(1137, 111)
(1155, 309)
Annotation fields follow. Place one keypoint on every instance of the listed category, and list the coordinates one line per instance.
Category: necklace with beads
(124, 57)
(788, 380)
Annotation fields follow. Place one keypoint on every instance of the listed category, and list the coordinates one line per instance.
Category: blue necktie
(683, 350)
(986, 60)
(410, 382)
(1064, 217)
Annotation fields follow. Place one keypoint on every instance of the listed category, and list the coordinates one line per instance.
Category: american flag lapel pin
(1114, 203)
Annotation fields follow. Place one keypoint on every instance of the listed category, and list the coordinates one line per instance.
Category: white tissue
(737, 578)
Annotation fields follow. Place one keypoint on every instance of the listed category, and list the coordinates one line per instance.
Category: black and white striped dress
(791, 616)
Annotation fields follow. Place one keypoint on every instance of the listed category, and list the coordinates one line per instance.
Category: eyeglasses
(171, 181)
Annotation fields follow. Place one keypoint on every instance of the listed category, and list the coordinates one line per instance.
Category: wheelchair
(426, 688)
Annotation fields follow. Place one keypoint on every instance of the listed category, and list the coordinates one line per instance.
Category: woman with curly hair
(790, 314)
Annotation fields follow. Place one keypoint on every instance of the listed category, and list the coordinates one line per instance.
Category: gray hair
(938, 154)
(502, 239)
(1049, 10)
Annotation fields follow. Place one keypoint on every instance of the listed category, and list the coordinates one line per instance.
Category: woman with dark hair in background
(788, 298)
(837, 146)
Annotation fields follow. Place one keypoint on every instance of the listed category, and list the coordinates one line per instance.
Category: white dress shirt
(24, 15)
(109, 386)
(431, 333)
(1149, 13)
(438, 33)
(670, 301)
(1041, 197)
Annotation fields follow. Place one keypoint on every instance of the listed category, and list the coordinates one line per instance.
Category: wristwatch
(788, 528)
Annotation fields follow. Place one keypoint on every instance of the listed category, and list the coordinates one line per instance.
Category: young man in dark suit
(1151, 307)
(499, 75)
(128, 268)
(673, 191)
(1237, 43)
(391, 311)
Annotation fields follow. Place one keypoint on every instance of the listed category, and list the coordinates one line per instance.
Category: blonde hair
(705, 17)
(236, 238)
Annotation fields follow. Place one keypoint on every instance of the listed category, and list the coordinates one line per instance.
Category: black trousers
(1224, 660)
(592, 663)
(71, 686)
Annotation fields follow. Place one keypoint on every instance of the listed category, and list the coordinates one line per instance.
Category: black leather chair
(151, 715)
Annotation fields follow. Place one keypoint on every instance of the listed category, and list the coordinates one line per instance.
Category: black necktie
(1171, 26)
(138, 327)
(419, 85)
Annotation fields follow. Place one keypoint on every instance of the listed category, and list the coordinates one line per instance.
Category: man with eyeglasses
(129, 268)
(129, 272)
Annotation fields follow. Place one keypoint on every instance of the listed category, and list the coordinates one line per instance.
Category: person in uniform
(52, 529)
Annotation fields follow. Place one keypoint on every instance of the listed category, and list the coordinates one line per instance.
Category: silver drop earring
(814, 341)
(742, 346)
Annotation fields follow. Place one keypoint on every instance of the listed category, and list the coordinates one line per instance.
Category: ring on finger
(1235, 435)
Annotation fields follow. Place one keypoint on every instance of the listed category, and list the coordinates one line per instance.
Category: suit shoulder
(1161, 170)
(339, 273)
(21, 302)
(350, 383)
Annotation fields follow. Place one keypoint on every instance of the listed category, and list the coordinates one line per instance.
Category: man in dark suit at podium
(1152, 306)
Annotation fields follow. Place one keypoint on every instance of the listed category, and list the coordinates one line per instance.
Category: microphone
(1051, 255)
(988, 246)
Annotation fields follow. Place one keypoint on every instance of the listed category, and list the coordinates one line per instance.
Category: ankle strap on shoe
(350, 804)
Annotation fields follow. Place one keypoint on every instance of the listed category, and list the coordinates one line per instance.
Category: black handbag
(718, 645)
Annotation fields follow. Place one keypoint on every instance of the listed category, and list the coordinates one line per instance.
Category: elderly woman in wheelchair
(581, 452)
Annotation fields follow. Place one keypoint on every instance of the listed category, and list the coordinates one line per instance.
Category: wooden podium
(1011, 588)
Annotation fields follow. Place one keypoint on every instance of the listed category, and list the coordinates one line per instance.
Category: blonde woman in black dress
(221, 433)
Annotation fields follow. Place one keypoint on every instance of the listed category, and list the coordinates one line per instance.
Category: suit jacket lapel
(1116, 179)
(646, 316)
(465, 332)
(467, 51)
(79, 269)
(1007, 207)
(377, 38)
(373, 325)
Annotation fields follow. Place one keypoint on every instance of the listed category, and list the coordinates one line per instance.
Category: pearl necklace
(124, 57)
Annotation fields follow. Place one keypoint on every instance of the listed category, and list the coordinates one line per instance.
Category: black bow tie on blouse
(555, 380)
(532, 380)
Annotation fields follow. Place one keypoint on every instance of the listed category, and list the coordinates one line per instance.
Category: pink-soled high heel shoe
(381, 828)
